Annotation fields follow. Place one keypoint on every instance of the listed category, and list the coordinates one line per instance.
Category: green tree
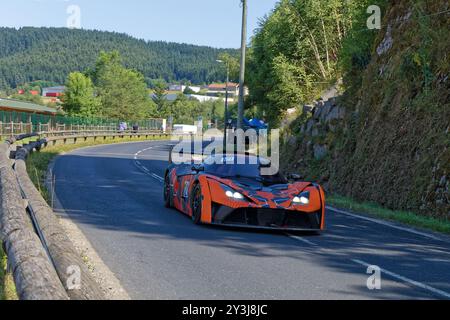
(28, 54)
(123, 92)
(294, 53)
(233, 65)
(159, 98)
(79, 99)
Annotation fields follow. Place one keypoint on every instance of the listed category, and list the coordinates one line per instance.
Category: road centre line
(407, 280)
(141, 167)
(389, 273)
(387, 224)
(301, 239)
(360, 262)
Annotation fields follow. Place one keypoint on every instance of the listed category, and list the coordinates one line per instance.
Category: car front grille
(274, 218)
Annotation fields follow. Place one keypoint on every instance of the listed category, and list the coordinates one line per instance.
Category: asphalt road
(114, 194)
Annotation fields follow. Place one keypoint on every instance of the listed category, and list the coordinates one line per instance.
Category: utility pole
(242, 71)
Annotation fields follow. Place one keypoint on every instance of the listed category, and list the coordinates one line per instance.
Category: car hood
(279, 195)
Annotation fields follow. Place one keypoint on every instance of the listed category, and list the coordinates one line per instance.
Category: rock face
(387, 42)
(320, 151)
(325, 117)
(387, 139)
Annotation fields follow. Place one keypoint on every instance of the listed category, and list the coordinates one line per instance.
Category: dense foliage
(109, 90)
(299, 48)
(112, 91)
(388, 138)
(50, 54)
(79, 99)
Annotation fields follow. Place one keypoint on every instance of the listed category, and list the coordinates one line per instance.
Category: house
(171, 97)
(177, 87)
(181, 88)
(22, 106)
(32, 92)
(204, 98)
(216, 89)
(53, 92)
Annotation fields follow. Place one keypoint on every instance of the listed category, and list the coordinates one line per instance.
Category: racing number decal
(186, 190)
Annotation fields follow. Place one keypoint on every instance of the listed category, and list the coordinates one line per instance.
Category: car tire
(167, 192)
(196, 204)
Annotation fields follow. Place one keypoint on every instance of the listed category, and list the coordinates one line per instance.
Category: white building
(181, 88)
(221, 88)
(206, 98)
(53, 91)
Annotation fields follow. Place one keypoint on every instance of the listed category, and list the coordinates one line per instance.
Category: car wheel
(197, 204)
(167, 192)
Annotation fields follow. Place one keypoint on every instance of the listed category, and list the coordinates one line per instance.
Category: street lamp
(227, 63)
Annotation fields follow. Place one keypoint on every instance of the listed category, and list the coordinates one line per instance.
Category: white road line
(157, 177)
(301, 239)
(384, 223)
(102, 154)
(141, 167)
(407, 280)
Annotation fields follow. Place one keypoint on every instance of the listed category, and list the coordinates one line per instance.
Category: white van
(184, 129)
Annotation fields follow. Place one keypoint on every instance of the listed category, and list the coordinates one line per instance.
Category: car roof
(222, 158)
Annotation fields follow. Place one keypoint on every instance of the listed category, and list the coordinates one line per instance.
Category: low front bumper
(267, 218)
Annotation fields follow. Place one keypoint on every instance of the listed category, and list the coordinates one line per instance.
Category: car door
(184, 185)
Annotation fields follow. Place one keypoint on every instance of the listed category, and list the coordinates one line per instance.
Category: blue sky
(214, 23)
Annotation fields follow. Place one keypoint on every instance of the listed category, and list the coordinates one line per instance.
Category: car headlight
(234, 195)
(302, 198)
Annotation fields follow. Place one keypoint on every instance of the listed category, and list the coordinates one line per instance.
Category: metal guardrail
(41, 255)
(11, 129)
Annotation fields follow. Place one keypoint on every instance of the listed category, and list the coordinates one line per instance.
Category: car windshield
(241, 167)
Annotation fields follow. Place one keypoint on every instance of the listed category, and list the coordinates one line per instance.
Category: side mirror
(295, 176)
(198, 168)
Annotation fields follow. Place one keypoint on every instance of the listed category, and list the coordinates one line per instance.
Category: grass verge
(7, 288)
(377, 211)
(38, 162)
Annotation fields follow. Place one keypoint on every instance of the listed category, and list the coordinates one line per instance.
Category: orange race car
(221, 191)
